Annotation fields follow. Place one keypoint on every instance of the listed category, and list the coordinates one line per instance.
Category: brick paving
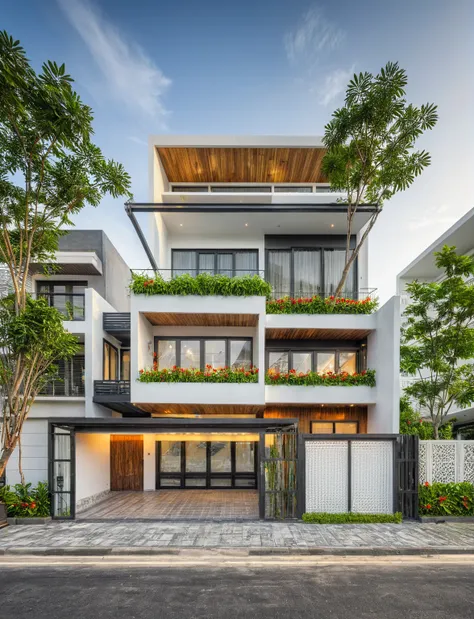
(176, 505)
(245, 535)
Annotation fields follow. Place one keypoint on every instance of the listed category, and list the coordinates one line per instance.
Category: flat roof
(460, 234)
(237, 141)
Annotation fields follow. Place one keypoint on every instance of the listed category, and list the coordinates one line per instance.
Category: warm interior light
(181, 225)
(246, 225)
(332, 225)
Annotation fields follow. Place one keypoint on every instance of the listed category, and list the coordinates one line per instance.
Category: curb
(367, 551)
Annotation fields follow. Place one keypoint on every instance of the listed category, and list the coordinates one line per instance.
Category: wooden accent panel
(316, 334)
(242, 165)
(126, 462)
(202, 320)
(202, 409)
(307, 414)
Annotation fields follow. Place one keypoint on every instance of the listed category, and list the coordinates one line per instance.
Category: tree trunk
(436, 431)
(4, 457)
(20, 467)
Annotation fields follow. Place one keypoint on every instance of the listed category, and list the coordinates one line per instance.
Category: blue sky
(263, 67)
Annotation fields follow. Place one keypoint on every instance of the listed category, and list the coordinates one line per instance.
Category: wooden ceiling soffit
(316, 334)
(201, 409)
(242, 165)
(174, 319)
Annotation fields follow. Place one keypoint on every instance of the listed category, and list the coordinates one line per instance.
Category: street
(171, 588)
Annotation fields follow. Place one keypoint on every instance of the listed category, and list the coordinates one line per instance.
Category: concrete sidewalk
(252, 538)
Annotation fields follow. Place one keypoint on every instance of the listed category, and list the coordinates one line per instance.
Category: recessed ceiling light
(246, 225)
(332, 225)
(181, 225)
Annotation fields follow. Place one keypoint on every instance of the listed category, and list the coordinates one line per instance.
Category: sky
(264, 67)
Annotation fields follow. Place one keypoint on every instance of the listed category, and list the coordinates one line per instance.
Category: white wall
(383, 355)
(92, 464)
(34, 442)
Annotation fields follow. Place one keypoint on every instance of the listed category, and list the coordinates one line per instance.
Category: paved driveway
(249, 535)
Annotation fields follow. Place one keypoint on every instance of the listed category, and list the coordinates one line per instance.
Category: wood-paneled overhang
(242, 165)
(316, 334)
(307, 414)
(175, 319)
(178, 409)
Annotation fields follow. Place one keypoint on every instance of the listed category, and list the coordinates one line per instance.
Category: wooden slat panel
(306, 414)
(316, 334)
(126, 462)
(202, 409)
(242, 165)
(202, 320)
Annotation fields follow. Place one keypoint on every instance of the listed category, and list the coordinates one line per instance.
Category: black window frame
(216, 252)
(321, 248)
(51, 295)
(314, 351)
(333, 421)
(178, 339)
(117, 350)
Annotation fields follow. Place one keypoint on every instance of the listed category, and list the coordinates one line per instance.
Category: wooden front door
(126, 462)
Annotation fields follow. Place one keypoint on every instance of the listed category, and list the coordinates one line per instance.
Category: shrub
(203, 284)
(412, 423)
(367, 377)
(452, 499)
(349, 518)
(319, 305)
(26, 502)
(209, 375)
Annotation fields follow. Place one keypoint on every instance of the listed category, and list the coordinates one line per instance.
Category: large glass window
(334, 427)
(67, 297)
(278, 272)
(325, 362)
(240, 354)
(334, 261)
(70, 378)
(214, 353)
(125, 364)
(110, 362)
(348, 362)
(278, 362)
(307, 273)
(166, 354)
(321, 361)
(190, 354)
(225, 262)
(302, 362)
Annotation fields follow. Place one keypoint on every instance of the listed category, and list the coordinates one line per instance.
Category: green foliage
(438, 336)
(331, 379)
(26, 502)
(350, 518)
(412, 423)
(370, 145)
(209, 375)
(453, 499)
(318, 305)
(203, 284)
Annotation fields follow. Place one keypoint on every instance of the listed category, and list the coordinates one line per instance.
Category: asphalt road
(378, 591)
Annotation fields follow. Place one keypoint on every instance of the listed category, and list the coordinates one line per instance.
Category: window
(321, 361)
(196, 353)
(334, 427)
(240, 189)
(70, 378)
(67, 297)
(189, 188)
(278, 189)
(110, 362)
(306, 272)
(124, 364)
(224, 262)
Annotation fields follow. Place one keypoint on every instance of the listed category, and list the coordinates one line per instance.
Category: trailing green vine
(191, 375)
(367, 378)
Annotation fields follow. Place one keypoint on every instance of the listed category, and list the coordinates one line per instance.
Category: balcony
(297, 395)
(118, 325)
(111, 391)
(69, 382)
(70, 305)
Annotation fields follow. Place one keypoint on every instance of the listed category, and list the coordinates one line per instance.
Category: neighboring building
(233, 206)
(423, 269)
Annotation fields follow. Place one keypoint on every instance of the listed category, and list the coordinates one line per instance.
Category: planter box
(3, 514)
(44, 520)
(434, 519)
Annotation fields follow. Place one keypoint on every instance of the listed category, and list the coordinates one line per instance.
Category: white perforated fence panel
(372, 477)
(326, 476)
(446, 461)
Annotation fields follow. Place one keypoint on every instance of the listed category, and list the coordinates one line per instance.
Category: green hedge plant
(203, 284)
(313, 379)
(350, 518)
(23, 501)
(452, 499)
(412, 423)
(191, 375)
(320, 305)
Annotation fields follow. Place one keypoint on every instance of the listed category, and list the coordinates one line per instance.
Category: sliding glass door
(206, 464)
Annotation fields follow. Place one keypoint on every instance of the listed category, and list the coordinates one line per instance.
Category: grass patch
(350, 518)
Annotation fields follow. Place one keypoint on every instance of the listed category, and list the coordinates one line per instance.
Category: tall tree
(49, 170)
(438, 339)
(370, 147)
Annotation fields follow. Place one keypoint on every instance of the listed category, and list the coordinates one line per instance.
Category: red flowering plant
(308, 379)
(321, 305)
(210, 374)
(23, 501)
(451, 499)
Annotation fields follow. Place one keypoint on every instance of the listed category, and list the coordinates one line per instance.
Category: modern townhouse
(423, 269)
(181, 389)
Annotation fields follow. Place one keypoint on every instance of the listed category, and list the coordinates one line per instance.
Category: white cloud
(128, 73)
(334, 84)
(314, 35)
(133, 138)
(439, 216)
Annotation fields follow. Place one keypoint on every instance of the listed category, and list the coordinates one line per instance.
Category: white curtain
(307, 269)
(279, 272)
(245, 263)
(334, 261)
(184, 262)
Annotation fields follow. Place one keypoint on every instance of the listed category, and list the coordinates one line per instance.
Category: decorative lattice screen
(331, 463)
(446, 461)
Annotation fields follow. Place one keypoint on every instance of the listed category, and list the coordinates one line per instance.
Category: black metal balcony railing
(69, 381)
(71, 305)
(277, 291)
(112, 388)
(116, 322)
